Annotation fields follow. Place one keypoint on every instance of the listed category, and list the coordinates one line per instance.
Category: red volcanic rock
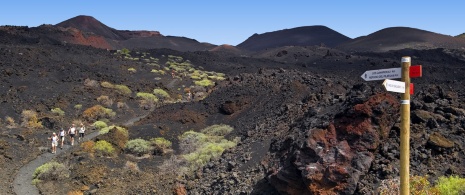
(331, 160)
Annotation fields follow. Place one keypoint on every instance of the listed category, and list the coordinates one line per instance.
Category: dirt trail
(23, 181)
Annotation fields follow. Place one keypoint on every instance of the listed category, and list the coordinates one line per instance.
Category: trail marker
(394, 86)
(405, 72)
(415, 71)
(381, 74)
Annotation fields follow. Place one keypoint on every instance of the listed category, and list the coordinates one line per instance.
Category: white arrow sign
(394, 86)
(390, 73)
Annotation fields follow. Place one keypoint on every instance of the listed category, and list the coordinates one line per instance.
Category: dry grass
(30, 120)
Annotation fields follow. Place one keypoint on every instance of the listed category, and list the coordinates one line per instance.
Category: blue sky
(232, 22)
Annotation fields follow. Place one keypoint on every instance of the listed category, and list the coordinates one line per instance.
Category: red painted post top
(415, 71)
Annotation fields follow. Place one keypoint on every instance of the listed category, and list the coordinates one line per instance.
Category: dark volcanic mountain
(301, 36)
(396, 38)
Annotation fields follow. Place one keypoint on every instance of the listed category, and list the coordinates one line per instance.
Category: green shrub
(420, 185)
(451, 185)
(78, 106)
(103, 148)
(217, 130)
(147, 96)
(198, 148)
(58, 111)
(117, 136)
(30, 119)
(161, 145)
(106, 84)
(99, 125)
(162, 72)
(50, 171)
(123, 89)
(161, 93)
(139, 147)
(204, 83)
(132, 70)
(97, 112)
(125, 51)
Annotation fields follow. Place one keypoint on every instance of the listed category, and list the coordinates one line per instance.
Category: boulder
(331, 160)
(438, 140)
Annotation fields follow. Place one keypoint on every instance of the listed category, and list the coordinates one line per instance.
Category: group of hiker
(72, 131)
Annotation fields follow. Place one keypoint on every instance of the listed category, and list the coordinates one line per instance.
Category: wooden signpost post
(405, 72)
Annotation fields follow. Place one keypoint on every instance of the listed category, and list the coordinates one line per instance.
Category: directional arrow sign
(394, 86)
(381, 74)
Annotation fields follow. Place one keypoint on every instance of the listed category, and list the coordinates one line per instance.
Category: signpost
(394, 86)
(381, 74)
(405, 72)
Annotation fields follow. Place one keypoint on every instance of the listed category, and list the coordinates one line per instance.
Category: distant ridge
(396, 38)
(300, 36)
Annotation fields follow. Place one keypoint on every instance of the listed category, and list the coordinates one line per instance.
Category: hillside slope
(396, 38)
(300, 36)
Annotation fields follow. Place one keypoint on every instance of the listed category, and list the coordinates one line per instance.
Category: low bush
(91, 83)
(30, 120)
(217, 130)
(106, 84)
(199, 148)
(104, 148)
(105, 100)
(161, 93)
(162, 72)
(88, 146)
(451, 185)
(132, 70)
(118, 136)
(98, 112)
(99, 125)
(123, 89)
(78, 106)
(147, 96)
(50, 171)
(420, 185)
(58, 111)
(139, 147)
(204, 83)
(161, 145)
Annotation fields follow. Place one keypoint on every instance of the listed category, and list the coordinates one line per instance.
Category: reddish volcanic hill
(90, 24)
(301, 36)
(396, 38)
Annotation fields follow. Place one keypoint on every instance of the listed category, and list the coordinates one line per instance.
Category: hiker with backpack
(72, 133)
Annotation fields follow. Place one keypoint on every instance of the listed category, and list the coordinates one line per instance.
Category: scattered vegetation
(148, 99)
(50, 171)
(99, 125)
(88, 146)
(199, 148)
(132, 70)
(160, 93)
(121, 89)
(104, 148)
(98, 112)
(78, 106)
(204, 83)
(30, 120)
(451, 185)
(118, 136)
(105, 100)
(419, 185)
(161, 145)
(58, 111)
(139, 147)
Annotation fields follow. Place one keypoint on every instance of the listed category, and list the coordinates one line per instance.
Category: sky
(232, 22)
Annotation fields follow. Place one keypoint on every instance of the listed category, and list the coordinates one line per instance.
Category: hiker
(172, 73)
(62, 137)
(54, 139)
(82, 129)
(189, 96)
(72, 132)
